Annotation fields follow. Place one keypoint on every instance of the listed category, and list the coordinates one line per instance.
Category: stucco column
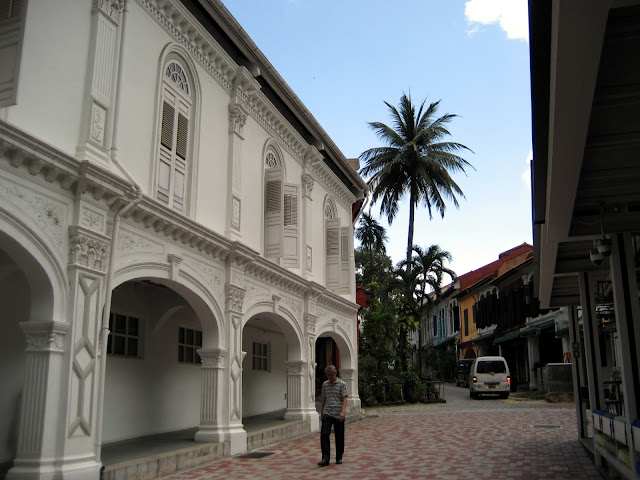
(211, 400)
(236, 434)
(296, 374)
(350, 377)
(41, 425)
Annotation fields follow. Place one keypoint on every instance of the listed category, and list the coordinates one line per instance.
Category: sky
(345, 58)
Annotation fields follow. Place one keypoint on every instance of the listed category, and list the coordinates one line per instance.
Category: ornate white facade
(133, 173)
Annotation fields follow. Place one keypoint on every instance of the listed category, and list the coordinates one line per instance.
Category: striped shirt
(333, 393)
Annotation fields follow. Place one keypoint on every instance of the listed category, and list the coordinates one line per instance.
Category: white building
(151, 158)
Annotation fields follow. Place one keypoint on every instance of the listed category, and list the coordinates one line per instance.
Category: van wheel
(504, 395)
(473, 394)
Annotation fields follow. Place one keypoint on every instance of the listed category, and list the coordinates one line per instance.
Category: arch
(272, 147)
(47, 278)
(329, 208)
(199, 298)
(339, 336)
(285, 320)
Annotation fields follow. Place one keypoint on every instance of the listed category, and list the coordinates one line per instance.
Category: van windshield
(491, 366)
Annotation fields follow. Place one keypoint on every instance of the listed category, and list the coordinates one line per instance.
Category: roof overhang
(585, 81)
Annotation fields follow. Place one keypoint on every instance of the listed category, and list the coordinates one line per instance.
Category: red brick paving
(488, 439)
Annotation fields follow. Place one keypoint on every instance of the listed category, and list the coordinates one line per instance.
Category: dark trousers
(325, 431)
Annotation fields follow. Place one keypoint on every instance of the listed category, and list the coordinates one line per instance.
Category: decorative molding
(111, 8)
(347, 373)
(237, 278)
(174, 266)
(234, 298)
(98, 122)
(235, 212)
(309, 258)
(92, 219)
(212, 276)
(297, 368)
(46, 337)
(212, 357)
(295, 306)
(237, 118)
(49, 215)
(310, 323)
(88, 249)
(307, 184)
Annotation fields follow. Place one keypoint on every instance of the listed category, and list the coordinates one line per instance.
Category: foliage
(372, 267)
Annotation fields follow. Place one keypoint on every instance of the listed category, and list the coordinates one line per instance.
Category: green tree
(416, 160)
(372, 237)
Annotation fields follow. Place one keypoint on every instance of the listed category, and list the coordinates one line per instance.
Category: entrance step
(275, 434)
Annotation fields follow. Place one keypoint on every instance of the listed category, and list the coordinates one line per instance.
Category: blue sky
(344, 58)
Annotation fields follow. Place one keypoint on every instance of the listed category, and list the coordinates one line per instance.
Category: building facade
(175, 233)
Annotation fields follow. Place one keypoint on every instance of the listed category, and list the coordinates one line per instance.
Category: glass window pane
(132, 347)
(181, 353)
(198, 338)
(197, 358)
(189, 352)
(118, 345)
(110, 344)
(121, 324)
(181, 335)
(189, 336)
(133, 326)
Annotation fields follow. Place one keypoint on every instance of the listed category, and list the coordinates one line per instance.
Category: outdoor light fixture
(595, 256)
(604, 244)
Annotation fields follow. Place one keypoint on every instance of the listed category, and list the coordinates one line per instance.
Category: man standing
(332, 410)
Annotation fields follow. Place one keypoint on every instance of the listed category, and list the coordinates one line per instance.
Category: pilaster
(211, 403)
(350, 377)
(100, 82)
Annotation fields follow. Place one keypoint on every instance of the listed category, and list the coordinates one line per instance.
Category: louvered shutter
(346, 252)
(291, 247)
(173, 154)
(332, 252)
(273, 213)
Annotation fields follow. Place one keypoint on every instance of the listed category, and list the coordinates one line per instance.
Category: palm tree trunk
(408, 293)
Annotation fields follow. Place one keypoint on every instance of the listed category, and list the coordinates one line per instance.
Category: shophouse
(175, 234)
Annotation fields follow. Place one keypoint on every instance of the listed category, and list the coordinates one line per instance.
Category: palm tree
(416, 161)
(429, 270)
(372, 236)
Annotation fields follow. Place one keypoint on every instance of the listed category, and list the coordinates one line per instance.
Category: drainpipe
(123, 211)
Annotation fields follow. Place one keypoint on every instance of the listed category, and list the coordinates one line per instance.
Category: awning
(444, 341)
(482, 338)
(536, 328)
(506, 338)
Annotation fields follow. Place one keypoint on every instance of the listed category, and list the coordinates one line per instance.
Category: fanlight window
(271, 161)
(175, 73)
(329, 211)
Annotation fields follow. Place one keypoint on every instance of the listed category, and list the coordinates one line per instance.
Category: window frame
(126, 336)
(192, 346)
(262, 359)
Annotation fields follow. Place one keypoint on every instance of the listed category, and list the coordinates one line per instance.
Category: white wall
(263, 392)
(14, 308)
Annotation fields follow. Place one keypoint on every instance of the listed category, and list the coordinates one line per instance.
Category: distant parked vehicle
(462, 372)
(489, 375)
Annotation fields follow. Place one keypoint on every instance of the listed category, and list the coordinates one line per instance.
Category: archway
(273, 350)
(153, 379)
(26, 295)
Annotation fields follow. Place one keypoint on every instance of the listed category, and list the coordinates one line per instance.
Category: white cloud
(512, 15)
(526, 175)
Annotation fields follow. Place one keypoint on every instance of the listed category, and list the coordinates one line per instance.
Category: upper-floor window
(175, 142)
(338, 250)
(281, 215)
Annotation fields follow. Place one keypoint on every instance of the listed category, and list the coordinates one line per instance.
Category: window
(174, 143)
(281, 213)
(261, 356)
(188, 342)
(466, 321)
(12, 21)
(124, 336)
(338, 250)
(491, 366)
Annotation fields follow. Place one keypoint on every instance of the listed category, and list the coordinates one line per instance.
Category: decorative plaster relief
(92, 219)
(295, 306)
(212, 276)
(48, 214)
(130, 243)
(310, 323)
(234, 298)
(307, 184)
(296, 368)
(235, 219)
(309, 258)
(98, 121)
(87, 249)
(111, 8)
(212, 358)
(44, 337)
(237, 278)
(237, 118)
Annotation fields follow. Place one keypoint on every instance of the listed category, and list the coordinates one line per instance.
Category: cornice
(330, 182)
(41, 160)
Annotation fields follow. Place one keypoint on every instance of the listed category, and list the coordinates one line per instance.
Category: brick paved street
(462, 439)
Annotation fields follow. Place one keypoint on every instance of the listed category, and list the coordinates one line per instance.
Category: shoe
(324, 462)
(339, 461)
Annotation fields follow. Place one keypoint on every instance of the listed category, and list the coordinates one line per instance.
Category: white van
(489, 375)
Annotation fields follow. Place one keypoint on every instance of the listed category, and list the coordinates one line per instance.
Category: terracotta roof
(475, 276)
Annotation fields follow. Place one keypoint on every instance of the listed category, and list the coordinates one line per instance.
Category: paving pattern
(462, 439)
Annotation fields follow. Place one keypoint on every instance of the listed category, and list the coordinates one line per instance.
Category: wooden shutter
(346, 253)
(332, 252)
(291, 247)
(273, 213)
